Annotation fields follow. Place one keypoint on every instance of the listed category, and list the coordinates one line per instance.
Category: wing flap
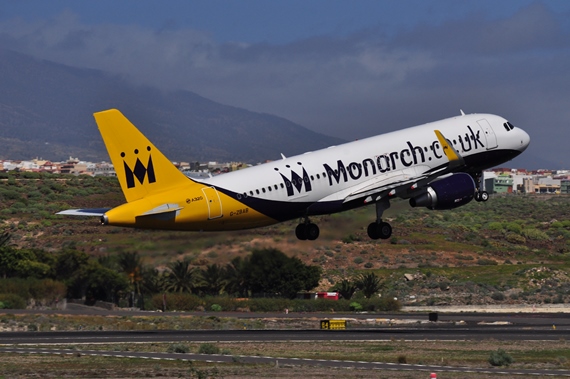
(378, 190)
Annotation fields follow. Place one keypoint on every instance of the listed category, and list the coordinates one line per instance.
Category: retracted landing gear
(480, 193)
(307, 231)
(380, 229)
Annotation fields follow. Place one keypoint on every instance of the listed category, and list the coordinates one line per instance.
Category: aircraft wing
(402, 183)
(84, 212)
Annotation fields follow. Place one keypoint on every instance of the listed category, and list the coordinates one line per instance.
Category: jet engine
(451, 192)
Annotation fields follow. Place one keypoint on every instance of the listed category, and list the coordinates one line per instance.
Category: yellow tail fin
(141, 168)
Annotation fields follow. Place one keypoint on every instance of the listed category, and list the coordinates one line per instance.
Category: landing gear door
(214, 202)
(489, 134)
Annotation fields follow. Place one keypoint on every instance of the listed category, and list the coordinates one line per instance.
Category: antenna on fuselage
(462, 113)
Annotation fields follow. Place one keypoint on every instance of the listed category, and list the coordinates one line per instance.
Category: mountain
(46, 111)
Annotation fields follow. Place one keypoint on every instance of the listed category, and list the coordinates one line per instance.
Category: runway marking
(347, 364)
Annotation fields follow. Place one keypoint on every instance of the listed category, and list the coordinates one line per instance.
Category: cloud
(351, 86)
(534, 28)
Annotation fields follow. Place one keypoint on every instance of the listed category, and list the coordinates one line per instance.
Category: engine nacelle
(451, 192)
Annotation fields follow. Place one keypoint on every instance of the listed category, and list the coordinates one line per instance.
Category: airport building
(500, 184)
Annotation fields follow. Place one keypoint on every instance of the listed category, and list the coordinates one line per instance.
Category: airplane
(437, 165)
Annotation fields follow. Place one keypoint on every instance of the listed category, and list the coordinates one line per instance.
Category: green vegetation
(190, 302)
(510, 249)
(500, 358)
(73, 274)
(178, 348)
(208, 348)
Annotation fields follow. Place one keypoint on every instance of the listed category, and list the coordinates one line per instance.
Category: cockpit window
(508, 126)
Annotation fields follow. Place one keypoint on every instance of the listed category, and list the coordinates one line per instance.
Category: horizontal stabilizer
(84, 212)
(164, 212)
(164, 208)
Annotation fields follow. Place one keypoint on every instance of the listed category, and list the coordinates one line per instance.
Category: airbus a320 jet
(437, 165)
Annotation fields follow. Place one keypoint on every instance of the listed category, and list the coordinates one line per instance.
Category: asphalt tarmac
(518, 327)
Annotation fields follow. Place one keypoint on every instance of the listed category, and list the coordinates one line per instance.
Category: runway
(377, 334)
(517, 327)
(276, 361)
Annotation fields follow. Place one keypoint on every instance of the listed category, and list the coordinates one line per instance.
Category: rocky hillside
(46, 110)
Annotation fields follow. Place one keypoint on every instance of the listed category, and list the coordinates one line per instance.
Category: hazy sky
(347, 69)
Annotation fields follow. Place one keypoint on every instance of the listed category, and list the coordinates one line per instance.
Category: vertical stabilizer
(141, 168)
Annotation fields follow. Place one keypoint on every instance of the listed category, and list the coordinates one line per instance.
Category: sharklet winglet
(449, 151)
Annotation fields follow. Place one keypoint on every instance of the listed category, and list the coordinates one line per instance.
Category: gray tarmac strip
(520, 318)
(449, 333)
(215, 358)
(473, 326)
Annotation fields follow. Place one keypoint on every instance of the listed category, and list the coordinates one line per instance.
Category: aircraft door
(489, 134)
(214, 202)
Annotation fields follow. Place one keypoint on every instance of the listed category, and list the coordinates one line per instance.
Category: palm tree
(237, 277)
(181, 277)
(345, 288)
(131, 264)
(5, 238)
(213, 280)
(109, 261)
(153, 281)
(369, 284)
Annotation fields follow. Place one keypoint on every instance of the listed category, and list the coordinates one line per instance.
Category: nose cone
(524, 139)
